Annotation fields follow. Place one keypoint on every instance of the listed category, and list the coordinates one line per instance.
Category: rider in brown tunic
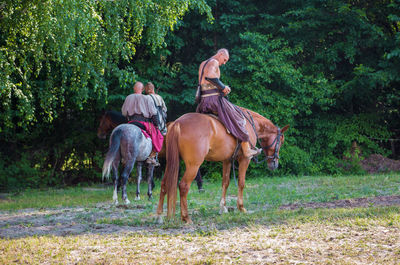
(213, 100)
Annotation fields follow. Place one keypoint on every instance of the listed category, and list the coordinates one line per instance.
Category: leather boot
(152, 159)
(248, 152)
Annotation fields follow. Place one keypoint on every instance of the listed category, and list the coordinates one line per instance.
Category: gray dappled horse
(108, 122)
(127, 143)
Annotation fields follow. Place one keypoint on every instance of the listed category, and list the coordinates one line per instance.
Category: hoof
(160, 220)
(201, 190)
(223, 210)
(137, 198)
(115, 202)
(243, 210)
(127, 202)
(187, 221)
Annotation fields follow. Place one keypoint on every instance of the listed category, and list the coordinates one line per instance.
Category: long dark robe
(228, 113)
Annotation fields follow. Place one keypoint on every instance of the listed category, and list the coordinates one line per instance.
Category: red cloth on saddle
(154, 134)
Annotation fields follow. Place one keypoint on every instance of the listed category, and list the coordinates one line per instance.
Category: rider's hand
(226, 90)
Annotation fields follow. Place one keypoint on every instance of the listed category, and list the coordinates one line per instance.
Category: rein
(276, 141)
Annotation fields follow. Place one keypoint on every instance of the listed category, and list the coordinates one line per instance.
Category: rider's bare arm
(212, 74)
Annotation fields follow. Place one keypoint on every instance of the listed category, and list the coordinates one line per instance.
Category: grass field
(305, 220)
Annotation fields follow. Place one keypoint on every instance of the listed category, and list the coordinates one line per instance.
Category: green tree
(328, 68)
(61, 61)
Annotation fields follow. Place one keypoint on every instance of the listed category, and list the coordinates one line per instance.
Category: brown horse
(197, 137)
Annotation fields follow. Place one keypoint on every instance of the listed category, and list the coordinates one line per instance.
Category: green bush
(295, 161)
(19, 174)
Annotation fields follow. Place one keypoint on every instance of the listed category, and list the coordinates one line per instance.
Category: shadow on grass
(139, 218)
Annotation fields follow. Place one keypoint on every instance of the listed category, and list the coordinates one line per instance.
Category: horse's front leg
(150, 182)
(226, 171)
(243, 165)
(139, 179)
(199, 181)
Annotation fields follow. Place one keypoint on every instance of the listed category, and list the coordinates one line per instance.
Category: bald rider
(137, 106)
(213, 100)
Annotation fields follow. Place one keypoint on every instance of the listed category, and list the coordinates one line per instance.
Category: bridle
(277, 142)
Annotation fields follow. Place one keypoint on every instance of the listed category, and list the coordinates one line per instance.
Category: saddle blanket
(152, 132)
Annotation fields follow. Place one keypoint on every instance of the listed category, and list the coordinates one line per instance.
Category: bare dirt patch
(64, 221)
(348, 203)
(377, 163)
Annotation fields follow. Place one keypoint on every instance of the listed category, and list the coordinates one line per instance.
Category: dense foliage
(330, 69)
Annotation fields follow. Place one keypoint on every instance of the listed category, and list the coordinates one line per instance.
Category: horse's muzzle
(273, 164)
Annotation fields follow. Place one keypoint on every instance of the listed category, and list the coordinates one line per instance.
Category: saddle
(145, 131)
(212, 115)
(138, 124)
(151, 131)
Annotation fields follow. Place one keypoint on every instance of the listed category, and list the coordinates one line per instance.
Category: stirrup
(258, 150)
(153, 161)
(254, 152)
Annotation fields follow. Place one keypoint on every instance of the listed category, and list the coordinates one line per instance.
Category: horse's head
(104, 126)
(108, 121)
(271, 142)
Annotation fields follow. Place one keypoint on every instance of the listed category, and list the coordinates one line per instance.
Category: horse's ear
(284, 129)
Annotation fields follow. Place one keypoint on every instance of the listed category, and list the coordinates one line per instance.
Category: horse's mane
(268, 123)
(116, 116)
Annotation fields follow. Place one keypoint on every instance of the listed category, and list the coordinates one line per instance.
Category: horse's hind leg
(160, 206)
(184, 186)
(115, 179)
(150, 182)
(139, 179)
(125, 175)
(226, 172)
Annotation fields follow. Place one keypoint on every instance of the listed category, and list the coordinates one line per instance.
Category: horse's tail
(172, 169)
(115, 141)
